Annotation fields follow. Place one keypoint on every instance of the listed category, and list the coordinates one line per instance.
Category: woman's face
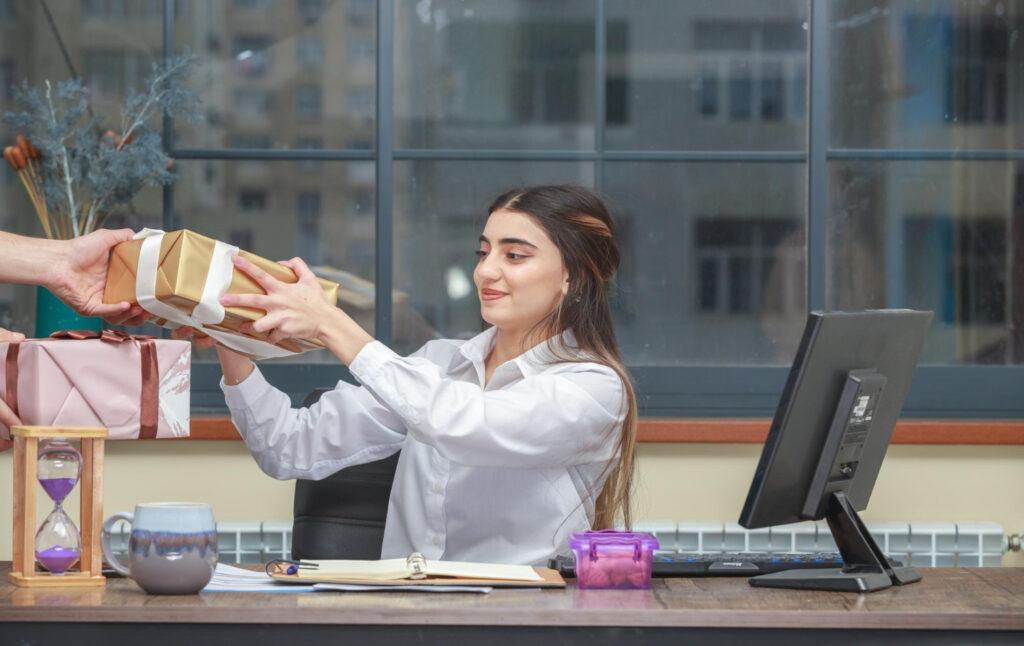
(520, 276)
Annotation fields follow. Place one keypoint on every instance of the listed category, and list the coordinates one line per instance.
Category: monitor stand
(866, 568)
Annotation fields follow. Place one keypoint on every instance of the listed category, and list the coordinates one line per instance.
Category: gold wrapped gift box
(184, 261)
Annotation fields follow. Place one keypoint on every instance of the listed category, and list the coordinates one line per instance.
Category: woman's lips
(491, 294)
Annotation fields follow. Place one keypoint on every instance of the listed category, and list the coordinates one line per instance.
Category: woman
(509, 441)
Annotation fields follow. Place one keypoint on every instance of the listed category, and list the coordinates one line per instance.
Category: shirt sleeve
(554, 418)
(346, 426)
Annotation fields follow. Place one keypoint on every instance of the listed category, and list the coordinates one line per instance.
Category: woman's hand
(7, 416)
(297, 310)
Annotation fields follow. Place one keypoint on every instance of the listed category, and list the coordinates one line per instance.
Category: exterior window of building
(361, 50)
(252, 199)
(360, 101)
(311, 51)
(735, 259)
(253, 5)
(254, 101)
(251, 141)
(361, 13)
(6, 80)
(110, 73)
(311, 10)
(241, 238)
(760, 68)
(252, 55)
(309, 143)
(308, 101)
(309, 227)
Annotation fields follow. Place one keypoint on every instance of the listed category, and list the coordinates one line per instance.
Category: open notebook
(414, 570)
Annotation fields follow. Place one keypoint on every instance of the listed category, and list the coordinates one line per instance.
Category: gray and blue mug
(172, 548)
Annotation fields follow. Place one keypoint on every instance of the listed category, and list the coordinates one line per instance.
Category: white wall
(676, 481)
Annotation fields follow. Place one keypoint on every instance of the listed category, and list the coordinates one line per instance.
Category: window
(252, 199)
(6, 80)
(251, 141)
(308, 102)
(311, 51)
(703, 152)
(253, 101)
(252, 55)
(309, 227)
(110, 73)
(758, 66)
(360, 101)
(309, 143)
(311, 10)
(361, 50)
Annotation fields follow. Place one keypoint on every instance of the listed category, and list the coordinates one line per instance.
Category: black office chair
(342, 516)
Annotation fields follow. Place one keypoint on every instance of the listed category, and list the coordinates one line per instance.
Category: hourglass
(58, 467)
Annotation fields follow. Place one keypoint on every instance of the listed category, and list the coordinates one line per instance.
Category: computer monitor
(828, 438)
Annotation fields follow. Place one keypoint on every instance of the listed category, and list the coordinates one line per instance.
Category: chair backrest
(342, 516)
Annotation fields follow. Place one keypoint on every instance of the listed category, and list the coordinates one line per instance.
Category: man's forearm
(27, 260)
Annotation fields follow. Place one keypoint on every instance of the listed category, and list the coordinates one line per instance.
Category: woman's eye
(515, 256)
(481, 253)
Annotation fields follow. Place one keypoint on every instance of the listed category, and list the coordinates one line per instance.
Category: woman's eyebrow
(505, 241)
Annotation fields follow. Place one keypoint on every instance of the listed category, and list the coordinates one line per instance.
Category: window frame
(687, 391)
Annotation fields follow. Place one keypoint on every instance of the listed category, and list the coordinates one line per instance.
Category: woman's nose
(488, 268)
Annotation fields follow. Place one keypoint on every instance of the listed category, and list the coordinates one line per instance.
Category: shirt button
(438, 488)
(437, 540)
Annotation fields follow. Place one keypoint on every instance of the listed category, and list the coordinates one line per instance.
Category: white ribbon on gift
(209, 310)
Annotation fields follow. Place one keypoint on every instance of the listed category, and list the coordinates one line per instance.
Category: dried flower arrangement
(74, 172)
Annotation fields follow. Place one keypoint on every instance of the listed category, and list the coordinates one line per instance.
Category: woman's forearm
(342, 335)
(236, 367)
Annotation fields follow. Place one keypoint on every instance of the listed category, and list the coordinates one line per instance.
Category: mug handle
(108, 553)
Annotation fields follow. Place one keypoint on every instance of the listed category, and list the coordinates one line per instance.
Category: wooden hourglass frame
(26, 448)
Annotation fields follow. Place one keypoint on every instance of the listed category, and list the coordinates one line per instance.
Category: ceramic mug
(172, 548)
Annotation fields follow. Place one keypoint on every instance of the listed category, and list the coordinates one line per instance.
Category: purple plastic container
(612, 560)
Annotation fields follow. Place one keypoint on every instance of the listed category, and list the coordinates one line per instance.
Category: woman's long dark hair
(579, 224)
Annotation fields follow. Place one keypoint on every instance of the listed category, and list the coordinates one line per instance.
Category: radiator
(920, 544)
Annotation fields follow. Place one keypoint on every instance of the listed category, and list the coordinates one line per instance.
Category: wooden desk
(949, 606)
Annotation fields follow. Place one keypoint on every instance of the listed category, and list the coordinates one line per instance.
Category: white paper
(371, 587)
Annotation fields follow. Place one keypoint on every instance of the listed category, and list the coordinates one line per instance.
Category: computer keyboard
(672, 564)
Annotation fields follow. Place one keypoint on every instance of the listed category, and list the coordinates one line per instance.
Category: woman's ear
(565, 282)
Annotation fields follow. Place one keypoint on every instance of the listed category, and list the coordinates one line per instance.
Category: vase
(52, 315)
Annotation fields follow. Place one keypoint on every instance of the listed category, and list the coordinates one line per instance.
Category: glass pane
(440, 212)
(281, 74)
(710, 275)
(926, 74)
(279, 210)
(706, 75)
(109, 63)
(933, 235)
(510, 74)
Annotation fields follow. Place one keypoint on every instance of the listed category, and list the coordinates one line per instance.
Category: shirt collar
(531, 362)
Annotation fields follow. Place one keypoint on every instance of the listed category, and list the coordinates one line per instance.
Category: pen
(292, 566)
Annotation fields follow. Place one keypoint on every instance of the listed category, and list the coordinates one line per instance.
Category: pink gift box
(99, 382)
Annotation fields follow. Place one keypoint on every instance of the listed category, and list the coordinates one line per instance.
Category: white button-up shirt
(500, 473)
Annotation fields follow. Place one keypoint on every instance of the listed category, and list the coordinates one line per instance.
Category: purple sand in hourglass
(57, 559)
(58, 488)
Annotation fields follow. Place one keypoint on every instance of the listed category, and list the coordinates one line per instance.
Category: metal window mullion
(817, 145)
(384, 248)
(167, 208)
(600, 90)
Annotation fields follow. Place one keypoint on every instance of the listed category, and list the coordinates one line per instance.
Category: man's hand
(7, 416)
(79, 276)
